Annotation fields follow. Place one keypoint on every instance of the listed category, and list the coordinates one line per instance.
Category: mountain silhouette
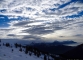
(76, 53)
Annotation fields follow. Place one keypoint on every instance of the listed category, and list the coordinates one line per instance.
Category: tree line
(27, 49)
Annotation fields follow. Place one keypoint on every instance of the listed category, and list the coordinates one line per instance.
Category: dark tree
(35, 53)
(11, 46)
(30, 53)
(38, 53)
(19, 45)
(20, 49)
(7, 45)
(45, 58)
(3, 44)
(0, 40)
(12, 50)
(26, 50)
(16, 45)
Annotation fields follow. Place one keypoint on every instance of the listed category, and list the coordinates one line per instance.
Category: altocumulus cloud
(47, 20)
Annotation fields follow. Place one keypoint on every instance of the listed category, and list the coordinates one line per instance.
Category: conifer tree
(45, 58)
(7, 45)
(12, 50)
(0, 40)
(16, 45)
(3, 44)
(20, 49)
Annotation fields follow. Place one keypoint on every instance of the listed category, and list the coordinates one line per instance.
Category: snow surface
(7, 54)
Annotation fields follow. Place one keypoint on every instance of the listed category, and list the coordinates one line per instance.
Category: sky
(42, 20)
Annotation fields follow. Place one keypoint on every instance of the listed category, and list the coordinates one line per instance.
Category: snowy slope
(7, 54)
(11, 52)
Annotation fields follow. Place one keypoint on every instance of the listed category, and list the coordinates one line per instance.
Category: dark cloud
(32, 37)
(18, 11)
(42, 29)
(3, 10)
(81, 24)
(11, 35)
(64, 42)
(22, 23)
(1, 1)
(73, 22)
(80, 1)
(6, 30)
(3, 17)
(78, 35)
(61, 36)
(58, 28)
(38, 30)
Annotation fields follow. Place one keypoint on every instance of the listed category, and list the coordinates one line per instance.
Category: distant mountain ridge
(52, 48)
(76, 53)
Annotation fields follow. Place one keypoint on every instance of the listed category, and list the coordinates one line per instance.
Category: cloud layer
(43, 19)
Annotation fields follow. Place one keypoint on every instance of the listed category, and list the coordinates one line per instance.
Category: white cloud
(50, 24)
(71, 9)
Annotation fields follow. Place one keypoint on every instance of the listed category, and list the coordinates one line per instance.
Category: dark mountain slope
(76, 53)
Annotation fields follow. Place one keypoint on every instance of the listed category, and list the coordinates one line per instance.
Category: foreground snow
(6, 53)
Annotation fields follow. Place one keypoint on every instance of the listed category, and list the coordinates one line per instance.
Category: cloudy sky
(41, 20)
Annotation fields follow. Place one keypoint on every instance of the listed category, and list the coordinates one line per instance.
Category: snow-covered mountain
(16, 51)
(7, 54)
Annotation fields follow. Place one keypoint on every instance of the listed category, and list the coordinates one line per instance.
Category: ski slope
(6, 53)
